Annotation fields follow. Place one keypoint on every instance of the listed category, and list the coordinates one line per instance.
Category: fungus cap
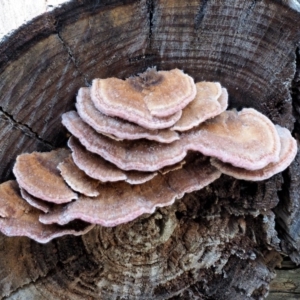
(115, 127)
(153, 99)
(98, 168)
(121, 202)
(211, 99)
(141, 155)
(78, 180)
(37, 173)
(287, 154)
(35, 202)
(246, 139)
(18, 218)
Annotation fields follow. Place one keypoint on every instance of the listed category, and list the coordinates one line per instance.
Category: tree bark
(222, 242)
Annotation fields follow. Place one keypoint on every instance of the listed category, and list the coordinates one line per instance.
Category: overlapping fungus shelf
(138, 144)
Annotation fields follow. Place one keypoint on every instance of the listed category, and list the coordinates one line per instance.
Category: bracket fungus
(35, 202)
(18, 218)
(98, 168)
(116, 127)
(37, 174)
(77, 179)
(211, 100)
(152, 93)
(122, 202)
(138, 144)
(288, 151)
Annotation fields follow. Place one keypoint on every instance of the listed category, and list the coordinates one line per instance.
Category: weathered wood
(219, 243)
(286, 284)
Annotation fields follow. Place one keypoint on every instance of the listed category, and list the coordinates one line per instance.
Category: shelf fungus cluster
(135, 145)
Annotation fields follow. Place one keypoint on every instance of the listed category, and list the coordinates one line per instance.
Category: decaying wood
(222, 242)
(286, 284)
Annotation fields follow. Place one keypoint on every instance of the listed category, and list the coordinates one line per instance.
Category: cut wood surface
(223, 242)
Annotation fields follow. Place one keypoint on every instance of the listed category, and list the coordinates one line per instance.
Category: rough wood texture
(286, 285)
(220, 243)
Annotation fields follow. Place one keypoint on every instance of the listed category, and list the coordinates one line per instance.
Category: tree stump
(222, 242)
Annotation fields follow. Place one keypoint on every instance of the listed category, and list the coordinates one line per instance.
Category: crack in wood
(200, 14)
(71, 56)
(151, 9)
(144, 57)
(24, 128)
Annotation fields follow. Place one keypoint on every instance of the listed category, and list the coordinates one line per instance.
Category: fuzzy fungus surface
(37, 173)
(211, 99)
(98, 168)
(19, 218)
(288, 151)
(152, 93)
(122, 202)
(138, 144)
(77, 179)
(117, 127)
